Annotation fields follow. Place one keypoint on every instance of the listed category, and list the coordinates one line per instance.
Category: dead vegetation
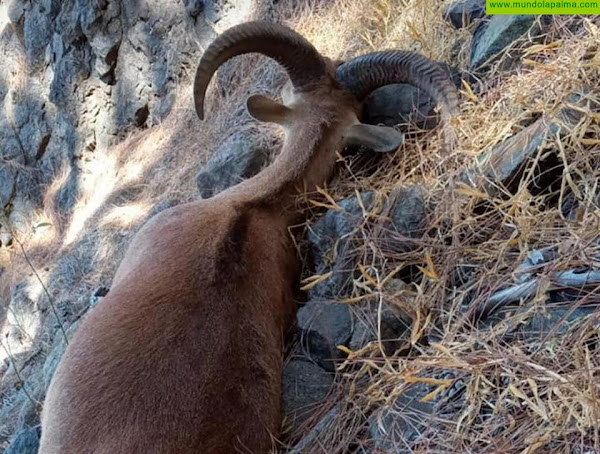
(517, 391)
(505, 385)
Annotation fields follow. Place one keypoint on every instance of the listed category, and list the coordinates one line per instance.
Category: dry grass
(516, 393)
(502, 386)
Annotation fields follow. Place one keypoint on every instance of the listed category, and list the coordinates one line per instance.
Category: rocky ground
(442, 294)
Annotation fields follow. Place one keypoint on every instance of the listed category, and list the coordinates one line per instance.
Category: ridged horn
(363, 74)
(300, 59)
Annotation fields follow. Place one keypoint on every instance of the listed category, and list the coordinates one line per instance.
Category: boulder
(390, 327)
(495, 35)
(241, 156)
(462, 13)
(26, 441)
(323, 323)
(8, 177)
(558, 316)
(15, 10)
(502, 164)
(405, 105)
(194, 7)
(92, 70)
(406, 210)
(307, 441)
(324, 326)
(400, 104)
(305, 386)
(393, 428)
(334, 230)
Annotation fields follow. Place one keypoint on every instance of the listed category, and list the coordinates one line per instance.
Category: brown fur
(184, 355)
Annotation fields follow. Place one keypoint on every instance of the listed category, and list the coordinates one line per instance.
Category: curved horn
(363, 74)
(300, 59)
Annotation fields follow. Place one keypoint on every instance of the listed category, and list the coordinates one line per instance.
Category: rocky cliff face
(77, 75)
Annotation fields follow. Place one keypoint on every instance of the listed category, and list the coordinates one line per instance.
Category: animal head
(319, 85)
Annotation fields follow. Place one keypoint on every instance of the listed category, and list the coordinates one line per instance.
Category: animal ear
(382, 139)
(265, 109)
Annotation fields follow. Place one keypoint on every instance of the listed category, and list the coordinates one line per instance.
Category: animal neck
(306, 160)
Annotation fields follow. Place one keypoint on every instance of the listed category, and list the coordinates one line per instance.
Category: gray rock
(406, 208)
(194, 7)
(106, 67)
(31, 403)
(104, 30)
(463, 12)
(132, 91)
(503, 164)
(214, 10)
(8, 177)
(335, 229)
(400, 104)
(20, 217)
(557, 317)
(405, 105)
(563, 309)
(393, 326)
(20, 404)
(30, 123)
(567, 286)
(304, 445)
(238, 158)
(500, 165)
(305, 386)
(324, 326)
(493, 36)
(337, 224)
(15, 10)
(71, 65)
(11, 149)
(38, 29)
(67, 23)
(55, 352)
(576, 106)
(26, 441)
(6, 237)
(393, 429)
